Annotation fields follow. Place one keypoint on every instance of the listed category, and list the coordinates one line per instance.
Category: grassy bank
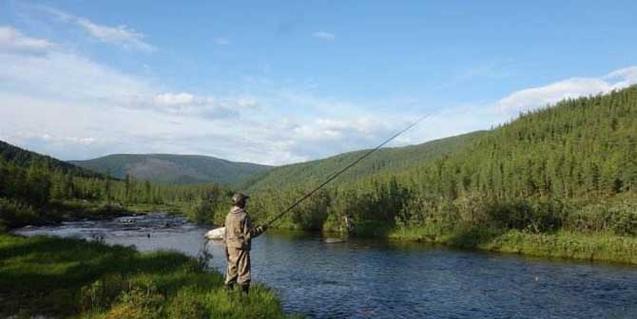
(75, 278)
(560, 244)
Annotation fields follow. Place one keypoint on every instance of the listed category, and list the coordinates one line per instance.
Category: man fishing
(237, 238)
(239, 231)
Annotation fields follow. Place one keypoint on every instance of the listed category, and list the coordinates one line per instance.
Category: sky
(277, 82)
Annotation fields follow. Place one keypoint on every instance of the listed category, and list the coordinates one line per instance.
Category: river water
(374, 279)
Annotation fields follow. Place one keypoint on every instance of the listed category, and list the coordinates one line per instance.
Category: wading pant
(238, 270)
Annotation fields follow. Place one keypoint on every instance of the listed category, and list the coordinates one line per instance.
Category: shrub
(524, 215)
(15, 214)
(311, 214)
(623, 218)
(619, 218)
(201, 213)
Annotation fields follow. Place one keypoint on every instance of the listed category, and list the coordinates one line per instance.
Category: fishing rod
(344, 169)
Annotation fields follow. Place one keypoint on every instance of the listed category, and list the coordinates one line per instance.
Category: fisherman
(237, 238)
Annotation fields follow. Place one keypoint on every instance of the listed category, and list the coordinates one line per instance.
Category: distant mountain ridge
(386, 160)
(177, 169)
(194, 169)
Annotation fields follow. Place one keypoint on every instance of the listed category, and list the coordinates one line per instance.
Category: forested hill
(572, 165)
(576, 149)
(23, 158)
(177, 169)
(386, 160)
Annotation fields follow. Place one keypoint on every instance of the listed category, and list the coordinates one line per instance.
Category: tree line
(36, 191)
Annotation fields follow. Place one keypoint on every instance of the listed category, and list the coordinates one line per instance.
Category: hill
(385, 160)
(24, 158)
(177, 169)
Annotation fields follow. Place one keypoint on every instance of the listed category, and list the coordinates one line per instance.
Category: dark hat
(239, 197)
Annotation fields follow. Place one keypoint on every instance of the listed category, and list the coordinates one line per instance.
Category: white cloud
(65, 75)
(172, 99)
(13, 40)
(325, 129)
(208, 107)
(62, 75)
(60, 139)
(532, 98)
(324, 35)
(120, 35)
(623, 77)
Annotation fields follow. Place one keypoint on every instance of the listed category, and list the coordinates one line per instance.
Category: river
(375, 279)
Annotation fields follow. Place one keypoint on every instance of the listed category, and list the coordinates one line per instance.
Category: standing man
(239, 233)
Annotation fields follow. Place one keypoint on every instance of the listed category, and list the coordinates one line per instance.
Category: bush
(623, 219)
(311, 214)
(202, 213)
(619, 218)
(527, 216)
(16, 214)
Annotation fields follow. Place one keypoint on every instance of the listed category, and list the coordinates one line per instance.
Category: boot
(245, 289)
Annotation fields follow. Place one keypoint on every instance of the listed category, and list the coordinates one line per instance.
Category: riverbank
(16, 214)
(560, 244)
(76, 278)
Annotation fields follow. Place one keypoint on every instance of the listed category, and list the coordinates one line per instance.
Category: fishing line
(344, 169)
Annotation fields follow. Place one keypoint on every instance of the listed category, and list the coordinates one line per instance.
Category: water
(372, 279)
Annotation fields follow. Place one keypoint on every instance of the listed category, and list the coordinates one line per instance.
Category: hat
(239, 197)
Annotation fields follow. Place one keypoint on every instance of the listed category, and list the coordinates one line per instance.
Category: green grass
(75, 278)
(561, 244)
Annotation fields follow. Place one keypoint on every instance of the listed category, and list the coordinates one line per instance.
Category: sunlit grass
(560, 244)
(75, 278)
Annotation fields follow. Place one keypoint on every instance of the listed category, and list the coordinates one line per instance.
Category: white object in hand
(216, 234)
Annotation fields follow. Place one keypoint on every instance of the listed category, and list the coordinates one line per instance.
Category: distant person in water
(237, 238)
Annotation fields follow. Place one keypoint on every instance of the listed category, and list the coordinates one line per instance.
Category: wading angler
(238, 236)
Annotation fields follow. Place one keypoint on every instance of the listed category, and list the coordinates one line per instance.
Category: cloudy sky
(277, 82)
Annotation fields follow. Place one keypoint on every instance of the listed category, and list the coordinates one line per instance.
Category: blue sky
(285, 81)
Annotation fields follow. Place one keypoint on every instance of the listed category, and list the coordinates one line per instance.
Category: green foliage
(15, 213)
(210, 209)
(529, 216)
(312, 213)
(616, 216)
